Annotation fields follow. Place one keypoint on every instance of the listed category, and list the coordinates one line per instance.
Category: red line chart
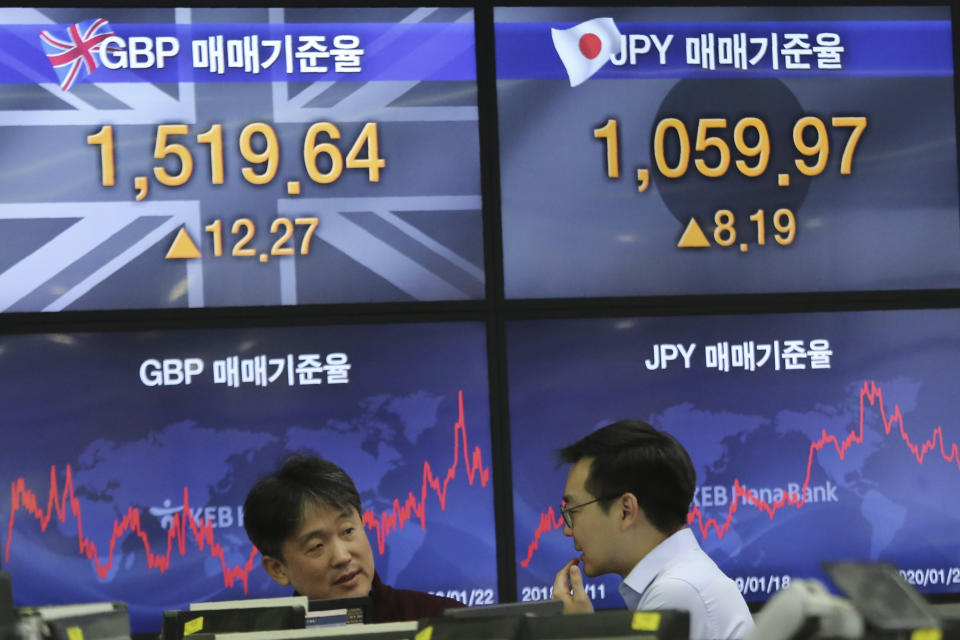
(59, 503)
(870, 392)
(184, 526)
(396, 517)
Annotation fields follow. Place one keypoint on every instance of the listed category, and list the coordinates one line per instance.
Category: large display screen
(705, 150)
(820, 436)
(188, 157)
(109, 439)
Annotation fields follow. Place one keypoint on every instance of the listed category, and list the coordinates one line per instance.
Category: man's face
(594, 532)
(328, 556)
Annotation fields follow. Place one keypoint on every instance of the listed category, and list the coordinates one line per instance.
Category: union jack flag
(72, 56)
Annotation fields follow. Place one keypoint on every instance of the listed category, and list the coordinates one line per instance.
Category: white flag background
(586, 47)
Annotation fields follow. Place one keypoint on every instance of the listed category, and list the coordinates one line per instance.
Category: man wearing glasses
(625, 506)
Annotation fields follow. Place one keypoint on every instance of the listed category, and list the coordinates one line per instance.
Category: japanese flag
(586, 47)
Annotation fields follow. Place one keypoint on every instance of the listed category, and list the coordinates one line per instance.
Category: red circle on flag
(590, 45)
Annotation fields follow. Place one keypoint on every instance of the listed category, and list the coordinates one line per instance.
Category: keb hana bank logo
(586, 47)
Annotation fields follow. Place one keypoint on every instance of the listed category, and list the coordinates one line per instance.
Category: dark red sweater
(396, 605)
(393, 605)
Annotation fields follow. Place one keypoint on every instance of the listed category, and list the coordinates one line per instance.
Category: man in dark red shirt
(305, 520)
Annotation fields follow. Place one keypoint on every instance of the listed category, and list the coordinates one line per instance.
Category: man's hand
(568, 588)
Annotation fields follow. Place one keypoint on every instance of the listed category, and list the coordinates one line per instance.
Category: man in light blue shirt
(625, 506)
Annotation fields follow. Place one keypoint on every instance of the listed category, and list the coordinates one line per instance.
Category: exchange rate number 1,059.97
(750, 138)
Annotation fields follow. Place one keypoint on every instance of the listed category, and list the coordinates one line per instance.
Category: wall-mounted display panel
(819, 436)
(649, 151)
(110, 437)
(197, 157)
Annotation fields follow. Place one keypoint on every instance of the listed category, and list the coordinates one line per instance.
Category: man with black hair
(305, 520)
(625, 506)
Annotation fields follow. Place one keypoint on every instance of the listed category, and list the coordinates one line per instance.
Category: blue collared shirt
(677, 574)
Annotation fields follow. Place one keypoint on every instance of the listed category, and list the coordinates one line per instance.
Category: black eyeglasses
(567, 512)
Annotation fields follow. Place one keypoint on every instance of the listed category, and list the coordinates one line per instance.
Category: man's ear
(276, 569)
(630, 510)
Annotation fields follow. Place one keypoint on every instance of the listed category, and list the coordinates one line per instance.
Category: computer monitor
(813, 435)
(885, 600)
(529, 609)
(155, 437)
(404, 630)
(179, 623)
(647, 178)
(184, 137)
(475, 628)
(89, 621)
(8, 612)
(667, 624)
(337, 611)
